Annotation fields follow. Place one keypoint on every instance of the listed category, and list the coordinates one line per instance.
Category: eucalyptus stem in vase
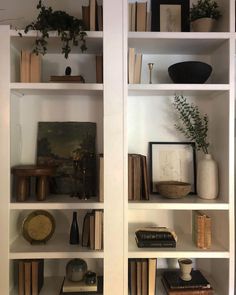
(194, 126)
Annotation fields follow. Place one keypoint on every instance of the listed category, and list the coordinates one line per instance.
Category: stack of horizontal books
(81, 288)
(142, 276)
(174, 285)
(155, 237)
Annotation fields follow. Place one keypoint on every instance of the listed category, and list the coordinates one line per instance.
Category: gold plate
(38, 226)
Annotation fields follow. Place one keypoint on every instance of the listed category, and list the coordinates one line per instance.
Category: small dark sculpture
(68, 71)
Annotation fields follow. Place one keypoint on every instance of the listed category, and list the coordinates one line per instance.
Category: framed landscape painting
(71, 147)
(172, 161)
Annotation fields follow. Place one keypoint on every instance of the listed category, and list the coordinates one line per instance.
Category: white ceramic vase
(204, 24)
(207, 178)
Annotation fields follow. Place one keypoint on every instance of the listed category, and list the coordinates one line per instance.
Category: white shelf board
(56, 88)
(191, 202)
(61, 202)
(57, 247)
(172, 89)
(94, 42)
(176, 43)
(184, 248)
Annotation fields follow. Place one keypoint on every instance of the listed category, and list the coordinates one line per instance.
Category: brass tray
(38, 226)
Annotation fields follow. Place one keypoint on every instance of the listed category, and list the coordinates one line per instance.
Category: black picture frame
(184, 168)
(158, 8)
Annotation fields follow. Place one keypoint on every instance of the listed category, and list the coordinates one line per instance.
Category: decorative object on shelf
(155, 237)
(170, 15)
(207, 177)
(185, 266)
(74, 230)
(172, 161)
(71, 147)
(31, 180)
(67, 77)
(90, 278)
(189, 72)
(38, 227)
(150, 67)
(76, 269)
(173, 284)
(69, 28)
(194, 126)
(173, 189)
(203, 15)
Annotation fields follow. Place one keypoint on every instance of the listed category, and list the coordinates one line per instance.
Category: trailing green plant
(68, 27)
(204, 8)
(192, 123)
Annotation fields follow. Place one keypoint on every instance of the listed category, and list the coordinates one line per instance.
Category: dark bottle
(74, 230)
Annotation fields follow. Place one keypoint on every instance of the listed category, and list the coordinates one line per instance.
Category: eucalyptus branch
(192, 124)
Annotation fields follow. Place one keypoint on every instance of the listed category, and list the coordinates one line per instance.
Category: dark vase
(74, 230)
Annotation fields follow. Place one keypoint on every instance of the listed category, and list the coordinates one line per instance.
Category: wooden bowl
(173, 189)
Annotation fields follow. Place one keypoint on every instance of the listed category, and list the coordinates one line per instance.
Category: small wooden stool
(23, 173)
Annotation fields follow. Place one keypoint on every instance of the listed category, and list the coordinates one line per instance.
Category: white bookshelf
(127, 118)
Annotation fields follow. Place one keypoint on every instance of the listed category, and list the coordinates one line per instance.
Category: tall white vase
(207, 178)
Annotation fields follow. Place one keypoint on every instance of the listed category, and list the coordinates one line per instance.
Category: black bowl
(189, 72)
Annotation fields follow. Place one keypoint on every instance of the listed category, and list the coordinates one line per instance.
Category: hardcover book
(156, 243)
(81, 286)
(174, 281)
(98, 292)
(155, 233)
(187, 291)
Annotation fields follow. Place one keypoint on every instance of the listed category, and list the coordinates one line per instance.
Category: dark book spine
(74, 230)
(158, 244)
(154, 236)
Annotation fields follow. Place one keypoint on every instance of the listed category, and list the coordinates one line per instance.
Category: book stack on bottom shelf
(81, 288)
(30, 276)
(174, 285)
(142, 276)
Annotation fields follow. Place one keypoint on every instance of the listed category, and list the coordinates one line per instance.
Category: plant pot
(204, 24)
(207, 178)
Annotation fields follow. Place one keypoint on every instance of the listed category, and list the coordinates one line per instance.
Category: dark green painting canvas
(71, 147)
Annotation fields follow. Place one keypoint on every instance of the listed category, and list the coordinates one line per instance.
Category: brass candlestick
(150, 66)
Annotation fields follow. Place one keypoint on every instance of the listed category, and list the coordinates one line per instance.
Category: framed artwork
(172, 161)
(170, 16)
(71, 147)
